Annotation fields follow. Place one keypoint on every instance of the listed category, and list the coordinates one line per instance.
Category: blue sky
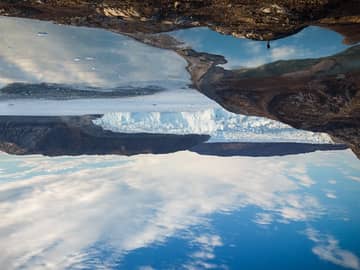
(182, 210)
(311, 42)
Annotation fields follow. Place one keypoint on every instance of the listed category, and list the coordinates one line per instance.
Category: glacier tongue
(221, 125)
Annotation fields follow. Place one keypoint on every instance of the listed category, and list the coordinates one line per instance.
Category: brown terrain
(259, 20)
(312, 94)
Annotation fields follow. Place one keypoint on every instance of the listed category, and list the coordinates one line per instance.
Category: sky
(119, 212)
(311, 42)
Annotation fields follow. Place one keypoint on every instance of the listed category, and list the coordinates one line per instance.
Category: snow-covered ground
(217, 122)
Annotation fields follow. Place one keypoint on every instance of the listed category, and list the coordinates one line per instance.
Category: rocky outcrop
(55, 136)
(260, 20)
(319, 95)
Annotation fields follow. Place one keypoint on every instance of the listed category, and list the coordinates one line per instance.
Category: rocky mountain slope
(320, 95)
(54, 136)
(260, 20)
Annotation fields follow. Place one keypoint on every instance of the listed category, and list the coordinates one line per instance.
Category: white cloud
(288, 52)
(248, 63)
(263, 219)
(301, 175)
(202, 259)
(209, 241)
(53, 200)
(283, 52)
(330, 194)
(146, 267)
(327, 248)
(355, 178)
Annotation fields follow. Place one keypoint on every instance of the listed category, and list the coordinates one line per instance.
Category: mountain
(320, 95)
(77, 135)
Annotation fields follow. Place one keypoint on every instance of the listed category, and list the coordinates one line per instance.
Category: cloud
(283, 52)
(146, 267)
(330, 194)
(301, 175)
(263, 219)
(202, 258)
(355, 178)
(327, 248)
(69, 204)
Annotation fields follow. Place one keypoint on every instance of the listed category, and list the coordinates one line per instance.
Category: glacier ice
(220, 124)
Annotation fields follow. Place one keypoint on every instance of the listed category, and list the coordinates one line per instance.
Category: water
(82, 56)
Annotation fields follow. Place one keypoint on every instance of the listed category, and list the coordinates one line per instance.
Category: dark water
(193, 205)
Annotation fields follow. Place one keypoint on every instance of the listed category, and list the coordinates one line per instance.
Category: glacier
(221, 125)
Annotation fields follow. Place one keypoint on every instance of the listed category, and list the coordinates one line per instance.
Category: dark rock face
(54, 136)
(261, 149)
(260, 20)
(320, 95)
